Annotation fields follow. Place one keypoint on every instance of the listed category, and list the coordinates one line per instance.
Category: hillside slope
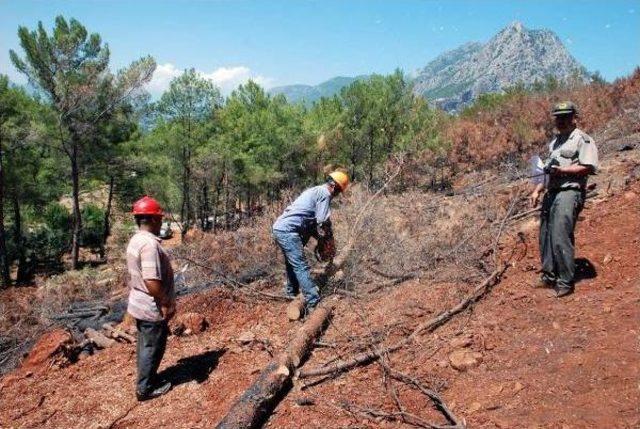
(307, 94)
(541, 362)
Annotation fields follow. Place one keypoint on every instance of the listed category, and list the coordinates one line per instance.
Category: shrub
(92, 228)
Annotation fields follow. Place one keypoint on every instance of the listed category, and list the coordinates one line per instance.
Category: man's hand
(534, 198)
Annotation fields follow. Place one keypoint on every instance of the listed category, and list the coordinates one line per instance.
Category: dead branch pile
(428, 326)
(431, 236)
(234, 258)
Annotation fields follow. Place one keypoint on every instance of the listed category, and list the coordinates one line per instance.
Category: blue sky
(285, 42)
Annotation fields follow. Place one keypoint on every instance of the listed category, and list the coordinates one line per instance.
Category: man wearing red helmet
(152, 300)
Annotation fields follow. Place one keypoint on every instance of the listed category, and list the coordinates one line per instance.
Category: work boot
(543, 283)
(158, 391)
(563, 291)
(308, 309)
(559, 292)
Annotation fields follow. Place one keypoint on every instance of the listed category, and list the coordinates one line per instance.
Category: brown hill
(524, 359)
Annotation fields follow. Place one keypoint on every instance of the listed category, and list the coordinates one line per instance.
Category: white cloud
(162, 77)
(607, 26)
(7, 68)
(225, 78)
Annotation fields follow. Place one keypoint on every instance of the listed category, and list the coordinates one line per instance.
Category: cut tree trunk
(295, 309)
(258, 400)
(98, 338)
(116, 333)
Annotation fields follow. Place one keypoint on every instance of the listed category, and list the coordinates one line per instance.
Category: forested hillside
(81, 131)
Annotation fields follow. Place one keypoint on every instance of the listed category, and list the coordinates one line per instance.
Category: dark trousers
(560, 211)
(152, 342)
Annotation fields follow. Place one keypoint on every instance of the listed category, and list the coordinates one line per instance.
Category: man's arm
(323, 212)
(535, 195)
(167, 305)
(574, 170)
(152, 276)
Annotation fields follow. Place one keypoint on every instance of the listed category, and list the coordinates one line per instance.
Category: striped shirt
(147, 260)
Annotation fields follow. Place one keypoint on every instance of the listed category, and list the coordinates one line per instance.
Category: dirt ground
(545, 362)
(539, 362)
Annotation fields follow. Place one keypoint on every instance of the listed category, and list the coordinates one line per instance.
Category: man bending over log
(308, 216)
(152, 299)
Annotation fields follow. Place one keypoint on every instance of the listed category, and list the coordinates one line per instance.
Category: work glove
(325, 250)
(324, 230)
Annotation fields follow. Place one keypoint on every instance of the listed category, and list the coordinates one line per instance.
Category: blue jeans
(298, 271)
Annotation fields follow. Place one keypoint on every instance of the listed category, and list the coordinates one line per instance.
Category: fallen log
(295, 309)
(253, 406)
(78, 315)
(428, 326)
(98, 338)
(116, 333)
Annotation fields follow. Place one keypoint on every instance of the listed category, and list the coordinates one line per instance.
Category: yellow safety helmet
(341, 179)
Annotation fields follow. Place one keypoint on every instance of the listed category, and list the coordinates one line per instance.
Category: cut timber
(98, 338)
(257, 401)
(295, 309)
(116, 333)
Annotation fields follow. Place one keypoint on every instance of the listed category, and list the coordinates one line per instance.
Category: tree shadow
(585, 270)
(194, 368)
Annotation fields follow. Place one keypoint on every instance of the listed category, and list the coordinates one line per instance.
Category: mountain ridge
(453, 79)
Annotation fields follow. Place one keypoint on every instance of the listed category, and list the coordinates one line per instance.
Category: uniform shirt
(147, 260)
(572, 149)
(310, 209)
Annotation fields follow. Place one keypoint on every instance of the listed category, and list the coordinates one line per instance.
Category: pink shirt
(147, 260)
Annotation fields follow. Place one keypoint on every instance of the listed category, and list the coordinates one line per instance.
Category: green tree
(188, 104)
(9, 122)
(70, 67)
(261, 137)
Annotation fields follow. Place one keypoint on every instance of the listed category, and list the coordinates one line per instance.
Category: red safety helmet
(147, 206)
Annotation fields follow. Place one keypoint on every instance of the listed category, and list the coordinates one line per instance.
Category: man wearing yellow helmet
(308, 216)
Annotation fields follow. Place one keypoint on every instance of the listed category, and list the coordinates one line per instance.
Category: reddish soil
(546, 362)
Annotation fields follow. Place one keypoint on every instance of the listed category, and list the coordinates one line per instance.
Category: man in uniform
(152, 299)
(309, 215)
(573, 157)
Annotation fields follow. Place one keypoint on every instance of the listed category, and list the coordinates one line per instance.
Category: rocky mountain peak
(514, 55)
(455, 78)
